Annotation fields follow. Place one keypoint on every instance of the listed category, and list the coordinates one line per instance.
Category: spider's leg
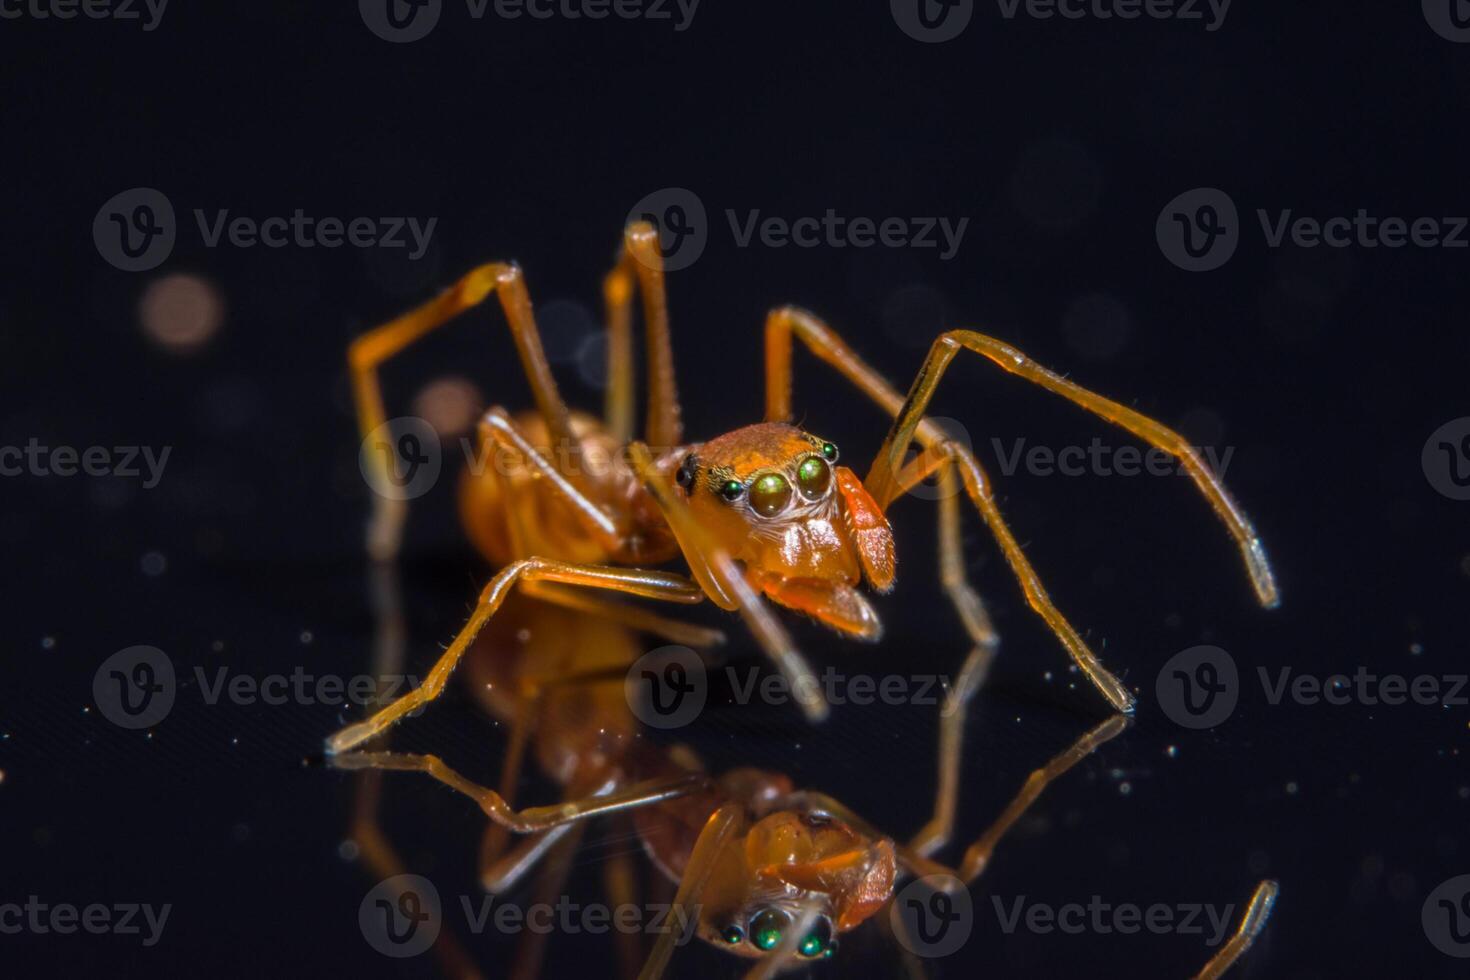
(949, 457)
(530, 820)
(882, 479)
(681, 923)
(1251, 924)
(648, 584)
(640, 264)
(978, 854)
(368, 352)
(726, 586)
(530, 953)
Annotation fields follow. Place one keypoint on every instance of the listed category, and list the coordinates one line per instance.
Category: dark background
(1325, 369)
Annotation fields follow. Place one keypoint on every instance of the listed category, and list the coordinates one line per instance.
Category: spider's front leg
(632, 581)
(889, 478)
(882, 478)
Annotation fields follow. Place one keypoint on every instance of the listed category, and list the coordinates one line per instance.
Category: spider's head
(785, 863)
(774, 497)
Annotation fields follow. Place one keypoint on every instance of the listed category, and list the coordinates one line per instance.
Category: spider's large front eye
(818, 942)
(770, 494)
(766, 928)
(813, 476)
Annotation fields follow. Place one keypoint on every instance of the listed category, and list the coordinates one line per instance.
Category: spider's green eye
(733, 935)
(818, 942)
(766, 928)
(813, 476)
(769, 494)
(732, 490)
(829, 451)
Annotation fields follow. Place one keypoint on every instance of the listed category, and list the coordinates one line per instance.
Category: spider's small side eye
(687, 469)
(733, 935)
(732, 489)
(829, 452)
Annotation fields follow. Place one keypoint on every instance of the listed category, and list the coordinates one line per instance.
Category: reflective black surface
(1323, 370)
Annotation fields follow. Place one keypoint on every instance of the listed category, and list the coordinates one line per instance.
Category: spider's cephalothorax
(804, 527)
(784, 855)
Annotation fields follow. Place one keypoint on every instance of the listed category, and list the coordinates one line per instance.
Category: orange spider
(763, 512)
